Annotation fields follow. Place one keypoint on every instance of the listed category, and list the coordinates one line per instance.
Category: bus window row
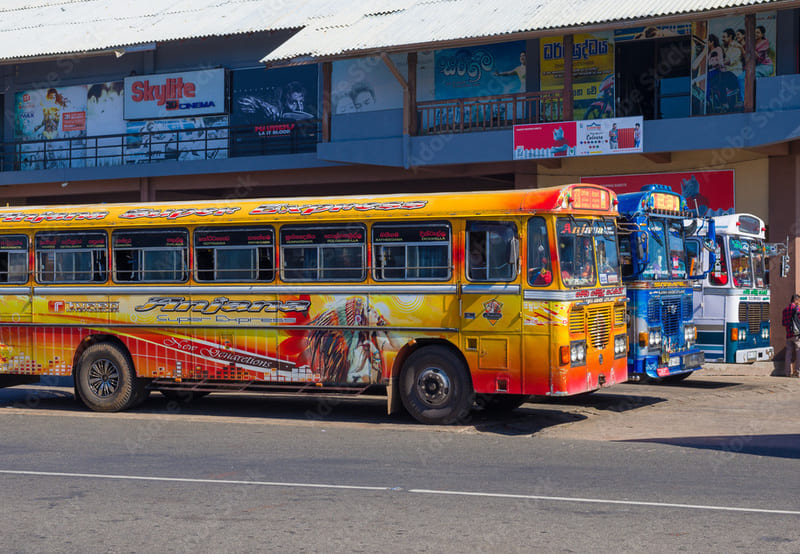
(408, 251)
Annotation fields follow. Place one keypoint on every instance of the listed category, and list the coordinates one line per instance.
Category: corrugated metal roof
(50, 27)
(32, 28)
(422, 22)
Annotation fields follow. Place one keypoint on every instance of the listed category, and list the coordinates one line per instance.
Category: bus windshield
(666, 250)
(747, 262)
(578, 241)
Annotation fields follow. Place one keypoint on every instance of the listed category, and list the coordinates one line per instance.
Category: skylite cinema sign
(190, 93)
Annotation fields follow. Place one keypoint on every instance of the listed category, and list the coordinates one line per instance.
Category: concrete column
(784, 220)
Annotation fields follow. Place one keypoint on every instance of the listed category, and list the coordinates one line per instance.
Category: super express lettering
(308, 209)
(176, 213)
(52, 216)
(181, 304)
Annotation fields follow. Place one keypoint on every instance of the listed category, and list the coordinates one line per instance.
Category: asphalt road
(709, 466)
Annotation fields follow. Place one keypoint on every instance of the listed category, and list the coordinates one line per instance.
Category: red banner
(713, 191)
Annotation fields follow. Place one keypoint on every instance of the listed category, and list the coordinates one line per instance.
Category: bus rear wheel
(105, 379)
(435, 386)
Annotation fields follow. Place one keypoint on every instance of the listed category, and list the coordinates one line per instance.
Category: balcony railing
(204, 143)
(488, 112)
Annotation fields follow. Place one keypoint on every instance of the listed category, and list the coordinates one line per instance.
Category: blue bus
(656, 271)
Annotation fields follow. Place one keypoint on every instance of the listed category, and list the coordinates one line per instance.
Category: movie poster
(719, 57)
(366, 85)
(104, 116)
(49, 120)
(274, 111)
(486, 70)
(188, 138)
(592, 72)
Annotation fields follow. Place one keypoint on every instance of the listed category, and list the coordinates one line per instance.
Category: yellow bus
(435, 300)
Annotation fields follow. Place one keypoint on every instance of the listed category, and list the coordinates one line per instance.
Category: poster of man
(719, 57)
(104, 116)
(274, 110)
(366, 85)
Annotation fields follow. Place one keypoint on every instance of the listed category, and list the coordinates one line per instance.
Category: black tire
(105, 379)
(435, 387)
(500, 402)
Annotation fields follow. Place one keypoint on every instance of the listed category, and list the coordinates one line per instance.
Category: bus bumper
(653, 367)
(754, 355)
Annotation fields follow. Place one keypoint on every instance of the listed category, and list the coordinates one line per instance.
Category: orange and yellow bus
(434, 299)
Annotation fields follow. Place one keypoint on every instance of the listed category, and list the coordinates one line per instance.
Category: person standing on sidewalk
(791, 320)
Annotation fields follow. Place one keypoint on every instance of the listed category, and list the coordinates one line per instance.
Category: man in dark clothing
(791, 320)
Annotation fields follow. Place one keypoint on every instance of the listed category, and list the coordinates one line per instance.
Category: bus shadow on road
(774, 446)
(611, 402)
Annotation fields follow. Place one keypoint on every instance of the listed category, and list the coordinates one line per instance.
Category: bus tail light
(564, 358)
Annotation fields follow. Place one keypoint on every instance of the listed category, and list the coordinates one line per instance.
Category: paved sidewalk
(773, 368)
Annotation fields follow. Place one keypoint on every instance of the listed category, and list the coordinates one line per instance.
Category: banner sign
(175, 95)
(711, 191)
(592, 69)
(620, 135)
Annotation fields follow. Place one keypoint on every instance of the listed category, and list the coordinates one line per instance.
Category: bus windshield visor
(576, 252)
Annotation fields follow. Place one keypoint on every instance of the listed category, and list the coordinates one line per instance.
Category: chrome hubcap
(433, 386)
(103, 378)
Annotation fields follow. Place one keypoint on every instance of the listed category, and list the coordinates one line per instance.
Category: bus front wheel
(105, 379)
(435, 386)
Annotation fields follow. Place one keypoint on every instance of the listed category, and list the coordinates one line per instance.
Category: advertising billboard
(621, 135)
(711, 192)
(190, 93)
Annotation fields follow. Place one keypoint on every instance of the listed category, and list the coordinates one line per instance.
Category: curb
(756, 369)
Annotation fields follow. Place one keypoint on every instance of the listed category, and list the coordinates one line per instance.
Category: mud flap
(393, 403)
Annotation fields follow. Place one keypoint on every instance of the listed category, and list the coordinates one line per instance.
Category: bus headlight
(577, 353)
(765, 333)
(620, 347)
(655, 338)
(689, 334)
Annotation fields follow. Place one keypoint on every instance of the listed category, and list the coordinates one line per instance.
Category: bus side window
(490, 254)
(540, 269)
(329, 252)
(693, 256)
(71, 257)
(234, 254)
(13, 259)
(719, 275)
(151, 255)
(411, 251)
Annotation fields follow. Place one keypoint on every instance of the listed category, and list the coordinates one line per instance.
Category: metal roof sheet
(34, 28)
(422, 22)
(31, 28)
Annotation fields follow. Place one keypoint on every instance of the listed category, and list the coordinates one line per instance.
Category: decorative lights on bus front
(765, 333)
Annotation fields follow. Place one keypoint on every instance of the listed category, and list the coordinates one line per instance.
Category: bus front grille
(619, 315)
(754, 313)
(577, 318)
(599, 325)
(671, 316)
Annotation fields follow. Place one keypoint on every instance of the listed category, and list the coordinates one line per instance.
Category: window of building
(13, 259)
(492, 251)
(409, 251)
(160, 255)
(234, 254)
(317, 253)
(71, 257)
